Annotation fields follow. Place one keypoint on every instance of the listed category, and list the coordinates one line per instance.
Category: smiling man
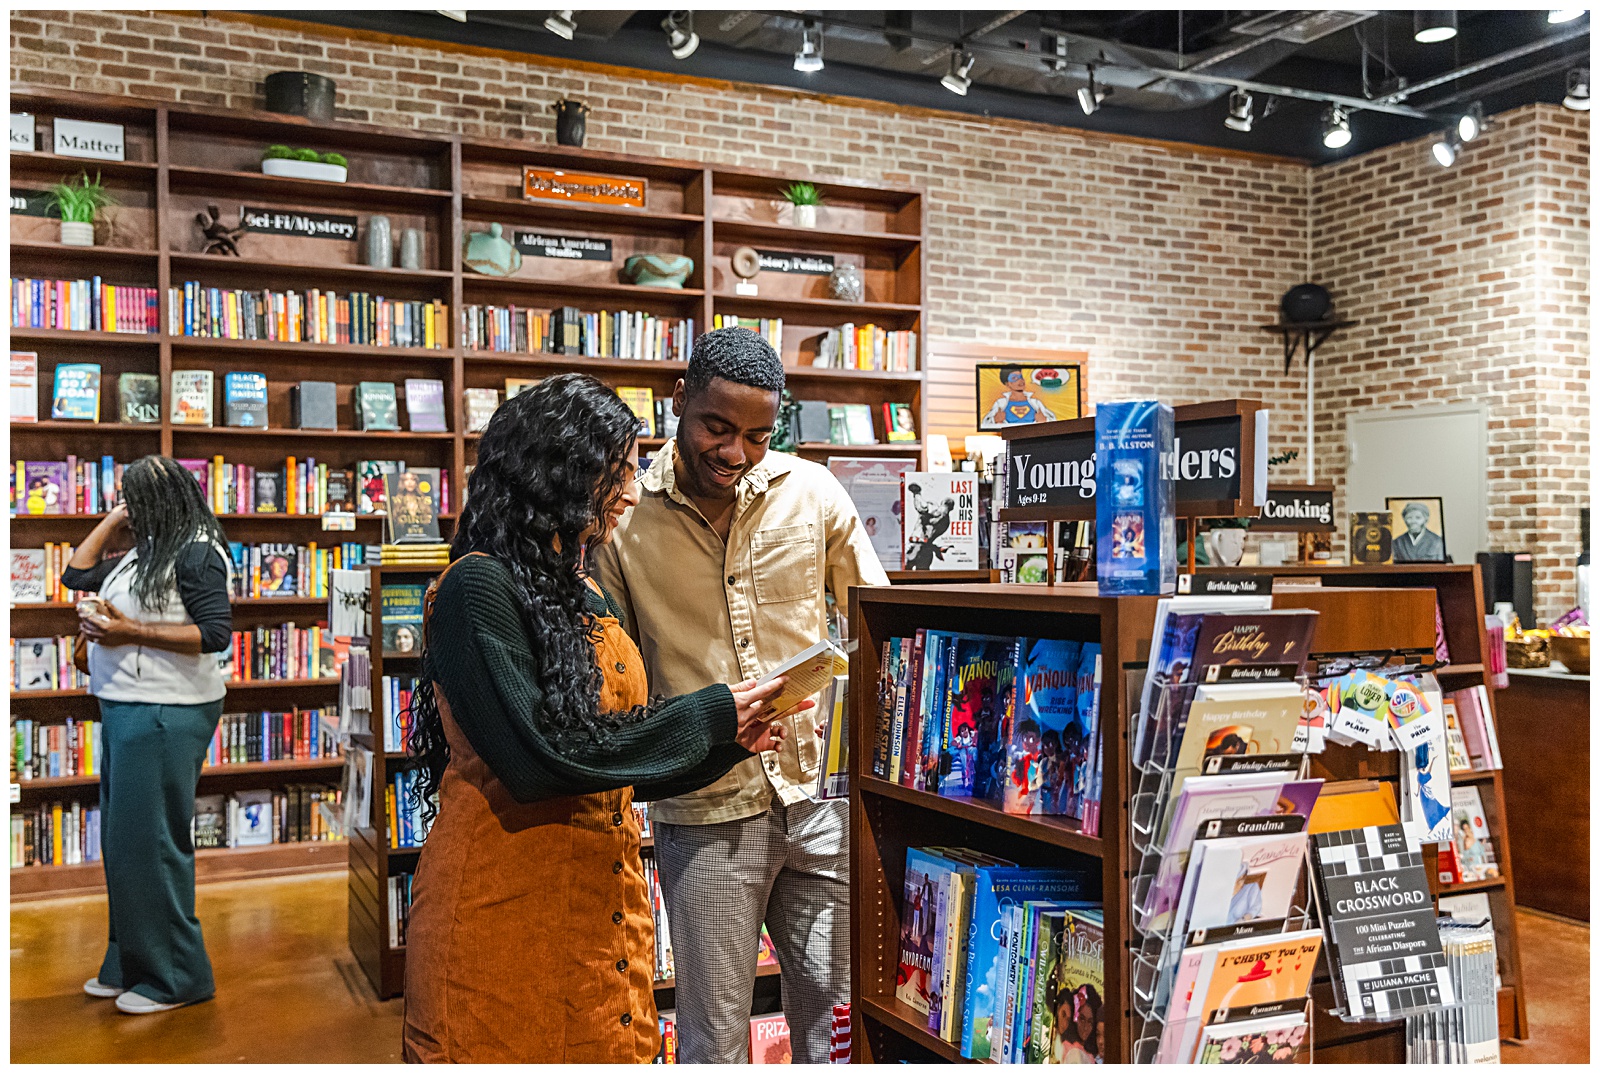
(722, 569)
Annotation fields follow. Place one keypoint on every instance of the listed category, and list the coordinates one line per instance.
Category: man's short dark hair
(734, 354)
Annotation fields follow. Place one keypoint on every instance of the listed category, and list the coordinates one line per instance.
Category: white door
(1427, 451)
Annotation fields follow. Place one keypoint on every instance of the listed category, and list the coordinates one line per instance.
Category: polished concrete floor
(288, 990)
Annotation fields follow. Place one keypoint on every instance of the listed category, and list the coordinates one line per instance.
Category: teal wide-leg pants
(150, 769)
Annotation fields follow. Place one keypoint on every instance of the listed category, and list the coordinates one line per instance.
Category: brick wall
(1471, 285)
(1161, 261)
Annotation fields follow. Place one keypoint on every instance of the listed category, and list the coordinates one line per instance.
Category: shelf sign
(22, 137)
(553, 184)
(1225, 583)
(333, 521)
(567, 247)
(802, 264)
(304, 225)
(1308, 508)
(31, 203)
(81, 138)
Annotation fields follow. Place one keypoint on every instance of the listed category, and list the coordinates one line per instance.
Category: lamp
(1445, 151)
(809, 56)
(1470, 125)
(1090, 96)
(1431, 27)
(959, 78)
(1241, 108)
(1563, 14)
(1577, 97)
(681, 38)
(561, 24)
(1336, 129)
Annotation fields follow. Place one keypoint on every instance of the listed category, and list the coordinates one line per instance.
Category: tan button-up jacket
(705, 612)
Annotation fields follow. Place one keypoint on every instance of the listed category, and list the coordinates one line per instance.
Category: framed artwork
(1020, 393)
(1416, 528)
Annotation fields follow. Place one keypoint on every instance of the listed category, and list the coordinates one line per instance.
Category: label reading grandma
(566, 247)
(803, 264)
(293, 222)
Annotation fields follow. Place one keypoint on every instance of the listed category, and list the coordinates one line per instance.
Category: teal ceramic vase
(488, 253)
(657, 270)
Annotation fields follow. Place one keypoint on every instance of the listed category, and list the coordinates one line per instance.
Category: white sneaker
(134, 1003)
(101, 991)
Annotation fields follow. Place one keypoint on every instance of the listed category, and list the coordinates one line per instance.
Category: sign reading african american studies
(566, 247)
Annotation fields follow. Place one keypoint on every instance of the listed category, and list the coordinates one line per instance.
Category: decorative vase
(571, 121)
(488, 253)
(411, 249)
(380, 243)
(805, 216)
(1226, 546)
(657, 270)
(75, 234)
(845, 284)
(303, 169)
(300, 93)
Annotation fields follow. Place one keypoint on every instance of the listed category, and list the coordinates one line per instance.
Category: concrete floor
(288, 990)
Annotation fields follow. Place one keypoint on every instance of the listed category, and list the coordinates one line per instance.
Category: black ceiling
(899, 57)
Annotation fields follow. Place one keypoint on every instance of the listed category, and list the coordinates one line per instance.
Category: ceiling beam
(1483, 65)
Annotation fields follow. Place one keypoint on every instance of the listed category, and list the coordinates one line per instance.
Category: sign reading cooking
(553, 184)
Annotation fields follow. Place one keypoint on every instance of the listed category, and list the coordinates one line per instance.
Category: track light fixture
(1090, 96)
(1335, 129)
(1470, 125)
(1446, 149)
(1241, 111)
(1577, 97)
(681, 38)
(1560, 15)
(561, 24)
(959, 78)
(459, 16)
(808, 58)
(1431, 27)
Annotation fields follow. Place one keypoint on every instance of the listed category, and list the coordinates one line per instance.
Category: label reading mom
(304, 225)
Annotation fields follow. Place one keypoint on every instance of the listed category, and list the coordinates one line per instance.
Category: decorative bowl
(1572, 652)
(303, 169)
(487, 252)
(657, 270)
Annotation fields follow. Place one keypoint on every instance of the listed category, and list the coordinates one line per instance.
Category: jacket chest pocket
(784, 562)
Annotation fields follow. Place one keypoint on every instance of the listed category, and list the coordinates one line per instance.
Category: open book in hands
(809, 673)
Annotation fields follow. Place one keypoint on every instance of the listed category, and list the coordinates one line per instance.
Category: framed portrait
(1416, 528)
(1017, 393)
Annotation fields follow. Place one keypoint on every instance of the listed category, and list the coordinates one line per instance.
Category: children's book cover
(1073, 1025)
(1247, 972)
(973, 707)
(1044, 733)
(919, 927)
(44, 488)
(1079, 743)
(933, 704)
(1474, 847)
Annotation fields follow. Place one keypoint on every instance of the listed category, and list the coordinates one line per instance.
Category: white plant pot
(73, 234)
(303, 169)
(805, 216)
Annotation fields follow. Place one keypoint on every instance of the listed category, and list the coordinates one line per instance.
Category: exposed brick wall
(1160, 261)
(1471, 285)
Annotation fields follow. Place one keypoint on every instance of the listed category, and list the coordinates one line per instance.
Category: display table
(1544, 741)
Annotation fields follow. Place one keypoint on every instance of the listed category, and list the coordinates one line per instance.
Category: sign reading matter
(803, 264)
(81, 138)
(567, 247)
(291, 222)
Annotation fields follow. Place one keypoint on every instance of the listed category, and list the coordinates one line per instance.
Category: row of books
(397, 691)
(291, 735)
(768, 328)
(819, 422)
(313, 404)
(399, 907)
(658, 911)
(1018, 550)
(42, 750)
(289, 570)
(769, 1039)
(90, 305)
(285, 651)
(298, 813)
(1014, 720)
(308, 487)
(72, 486)
(866, 346)
(36, 574)
(57, 833)
(313, 316)
(1005, 962)
(44, 664)
(408, 826)
(571, 331)
(1472, 743)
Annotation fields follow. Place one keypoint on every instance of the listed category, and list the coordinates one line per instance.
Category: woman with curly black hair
(530, 937)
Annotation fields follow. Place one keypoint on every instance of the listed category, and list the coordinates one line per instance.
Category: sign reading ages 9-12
(294, 222)
(566, 247)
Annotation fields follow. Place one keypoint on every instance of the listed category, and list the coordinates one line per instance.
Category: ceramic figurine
(657, 270)
(488, 253)
(220, 238)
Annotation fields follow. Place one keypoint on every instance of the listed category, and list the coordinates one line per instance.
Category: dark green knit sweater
(482, 656)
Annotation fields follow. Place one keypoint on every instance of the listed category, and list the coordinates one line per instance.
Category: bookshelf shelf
(69, 335)
(568, 363)
(313, 270)
(33, 163)
(342, 350)
(1476, 885)
(748, 231)
(250, 768)
(360, 195)
(307, 434)
(233, 687)
(100, 427)
(804, 372)
(233, 863)
(109, 255)
(622, 292)
(521, 211)
(1050, 830)
(904, 1020)
(829, 308)
(862, 449)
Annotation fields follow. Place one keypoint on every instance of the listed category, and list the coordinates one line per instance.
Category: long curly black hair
(167, 512)
(552, 462)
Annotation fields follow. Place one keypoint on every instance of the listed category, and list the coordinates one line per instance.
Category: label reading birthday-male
(293, 222)
(567, 247)
(31, 203)
(801, 264)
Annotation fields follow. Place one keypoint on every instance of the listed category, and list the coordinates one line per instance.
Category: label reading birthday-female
(566, 247)
(293, 222)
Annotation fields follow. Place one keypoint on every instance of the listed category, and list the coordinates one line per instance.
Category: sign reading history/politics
(31, 203)
(81, 138)
(554, 184)
(1308, 508)
(294, 222)
(567, 247)
(803, 264)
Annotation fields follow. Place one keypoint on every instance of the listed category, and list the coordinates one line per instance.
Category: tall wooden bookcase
(181, 159)
(886, 818)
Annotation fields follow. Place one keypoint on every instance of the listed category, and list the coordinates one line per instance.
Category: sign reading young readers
(31, 203)
(294, 222)
(566, 247)
(81, 138)
(1218, 460)
(793, 263)
(1308, 508)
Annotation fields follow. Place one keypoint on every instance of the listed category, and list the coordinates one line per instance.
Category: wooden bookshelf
(886, 818)
(235, 863)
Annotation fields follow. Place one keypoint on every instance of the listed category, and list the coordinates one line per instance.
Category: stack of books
(415, 555)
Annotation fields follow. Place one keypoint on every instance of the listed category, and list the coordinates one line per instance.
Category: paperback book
(139, 398)
(192, 396)
(245, 400)
(77, 394)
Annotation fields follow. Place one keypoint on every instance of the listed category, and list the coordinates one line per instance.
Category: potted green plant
(304, 164)
(78, 201)
(805, 198)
